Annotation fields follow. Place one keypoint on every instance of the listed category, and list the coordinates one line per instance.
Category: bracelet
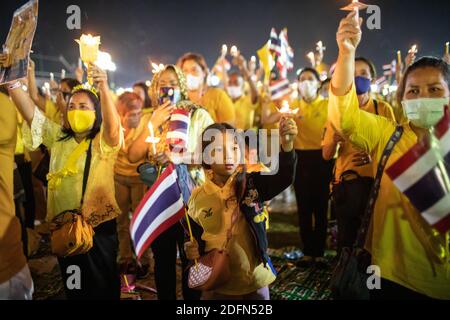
(15, 85)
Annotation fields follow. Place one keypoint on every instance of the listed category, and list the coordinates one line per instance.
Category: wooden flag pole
(191, 236)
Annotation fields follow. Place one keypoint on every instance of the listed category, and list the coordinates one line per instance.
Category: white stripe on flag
(279, 85)
(438, 211)
(179, 117)
(416, 171)
(177, 135)
(164, 216)
(280, 94)
(171, 179)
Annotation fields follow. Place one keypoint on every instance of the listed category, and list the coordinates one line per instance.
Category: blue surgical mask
(362, 85)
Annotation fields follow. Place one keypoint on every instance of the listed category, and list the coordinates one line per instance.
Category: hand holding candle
(89, 48)
(286, 112)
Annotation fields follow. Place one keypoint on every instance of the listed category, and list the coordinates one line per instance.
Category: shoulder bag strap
(87, 167)
(362, 233)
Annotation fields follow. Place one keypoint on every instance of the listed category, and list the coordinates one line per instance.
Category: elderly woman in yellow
(94, 134)
(413, 258)
(165, 246)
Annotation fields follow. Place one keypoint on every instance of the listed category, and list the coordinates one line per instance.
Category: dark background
(134, 30)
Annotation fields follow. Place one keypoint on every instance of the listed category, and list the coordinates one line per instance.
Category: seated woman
(94, 128)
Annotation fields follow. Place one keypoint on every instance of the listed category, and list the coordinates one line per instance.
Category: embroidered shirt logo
(208, 213)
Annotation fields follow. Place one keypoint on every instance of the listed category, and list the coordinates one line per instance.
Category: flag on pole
(178, 131)
(389, 69)
(161, 207)
(266, 60)
(274, 43)
(422, 174)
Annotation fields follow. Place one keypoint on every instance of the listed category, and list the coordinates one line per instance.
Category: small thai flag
(161, 207)
(279, 88)
(178, 131)
(274, 43)
(422, 174)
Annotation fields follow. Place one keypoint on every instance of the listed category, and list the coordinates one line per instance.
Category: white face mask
(193, 82)
(424, 112)
(308, 89)
(234, 92)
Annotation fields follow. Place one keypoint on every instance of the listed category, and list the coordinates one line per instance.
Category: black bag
(349, 279)
(42, 168)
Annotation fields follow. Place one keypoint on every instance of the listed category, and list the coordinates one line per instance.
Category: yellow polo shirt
(212, 208)
(347, 150)
(12, 259)
(245, 112)
(311, 119)
(407, 250)
(219, 106)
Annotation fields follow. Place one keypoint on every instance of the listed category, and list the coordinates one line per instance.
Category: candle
(63, 74)
(152, 139)
(399, 57)
(52, 76)
(447, 48)
(355, 5)
(413, 49)
(286, 110)
(89, 48)
(312, 59)
(224, 50)
(234, 51)
(320, 48)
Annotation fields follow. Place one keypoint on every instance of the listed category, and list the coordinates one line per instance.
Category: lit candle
(312, 59)
(399, 57)
(447, 48)
(234, 51)
(286, 110)
(320, 48)
(413, 49)
(63, 73)
(356, 10)
(89, 48)
(52, 76)
(355, 5)
(224, 50)
(152, 139)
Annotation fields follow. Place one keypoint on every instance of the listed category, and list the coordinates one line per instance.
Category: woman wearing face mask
(214, 100)
(129, 187)
(413, 257)
(355, 171)
(95, 126)
(164, 247)
(313, 172)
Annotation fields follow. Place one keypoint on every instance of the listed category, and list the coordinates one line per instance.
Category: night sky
(134, 30)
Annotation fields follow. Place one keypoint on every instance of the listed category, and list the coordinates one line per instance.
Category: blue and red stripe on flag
(422, 175)
(161, 207)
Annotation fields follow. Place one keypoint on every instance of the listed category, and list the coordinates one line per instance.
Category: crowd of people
(80, 147)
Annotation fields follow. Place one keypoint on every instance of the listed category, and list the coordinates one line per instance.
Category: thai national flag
(161, 207)
(274, 43)
(422, 174)
(178, 132)
(279, 88)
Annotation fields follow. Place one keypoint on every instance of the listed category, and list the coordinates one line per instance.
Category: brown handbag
(212, 270)
(71, 234)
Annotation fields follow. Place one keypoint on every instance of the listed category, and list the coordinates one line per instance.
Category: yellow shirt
(52, 112)
(402, 244)
(219, 106)
(99, 201)
(311, 119)
(212, 208)
(12, 259)
(123, 166)
(347, 151)
(245, 112)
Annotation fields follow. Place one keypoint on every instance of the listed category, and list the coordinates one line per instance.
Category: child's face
(226, 154)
